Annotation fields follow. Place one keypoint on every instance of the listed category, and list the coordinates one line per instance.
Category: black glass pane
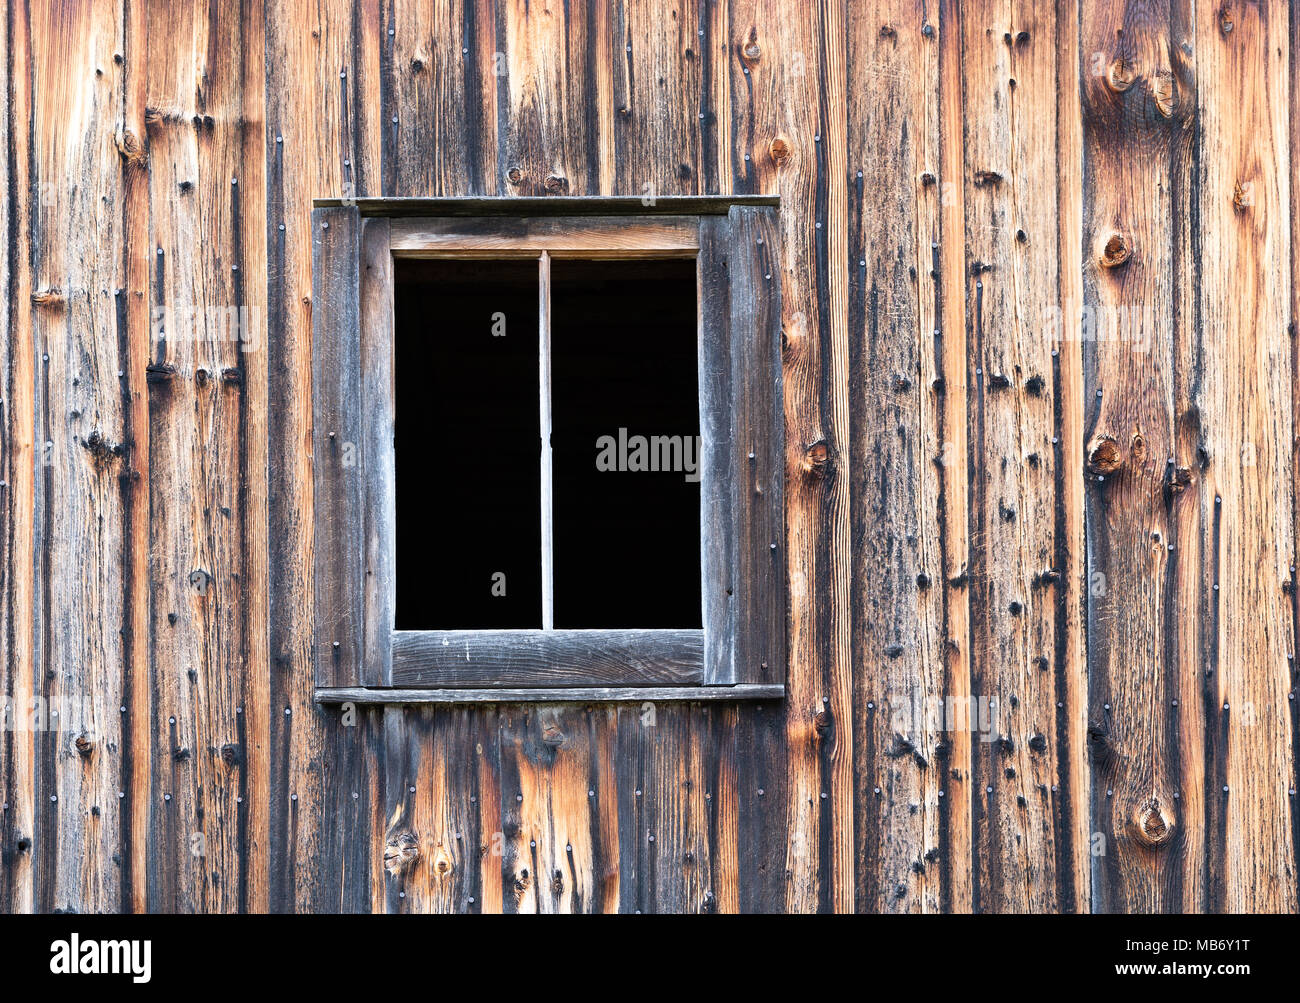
(467, 444)
(625, 439)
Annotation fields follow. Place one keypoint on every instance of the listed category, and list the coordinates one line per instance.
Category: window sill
(561, 694)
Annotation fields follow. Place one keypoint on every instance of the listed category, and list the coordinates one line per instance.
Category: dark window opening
(625, 423)
(467, 445)
(625, 396)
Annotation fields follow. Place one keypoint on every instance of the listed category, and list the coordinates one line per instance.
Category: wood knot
(514, 175)
(230, 754)
(1241, 197)
(102, 451)
(401, 850)
(1153, 824)
(556, 184)
(1116, 252)
(1164, 93)
(987, 178)
(1105, 456)
(1120, 75)
(751, 50)
(778, 149)
(49, 297)
(1225, 20)
(159, 372)
(814, 460)
(130, 149)
(84, 745)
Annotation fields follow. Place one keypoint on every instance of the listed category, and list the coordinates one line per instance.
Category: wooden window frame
(740, 651)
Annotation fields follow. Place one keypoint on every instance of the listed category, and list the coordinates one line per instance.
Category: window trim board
(464, 659)
(745, 611)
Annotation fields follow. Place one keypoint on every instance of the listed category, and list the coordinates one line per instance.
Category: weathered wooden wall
(1098, 534)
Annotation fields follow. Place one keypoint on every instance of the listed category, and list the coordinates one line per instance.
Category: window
(548, 450)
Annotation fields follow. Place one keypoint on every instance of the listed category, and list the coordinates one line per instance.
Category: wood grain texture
(597, 237)
(379, 498)
(339, 426)
(18, 619)
(757, 449)
(1245, 172)
(896, 639)
(535, 694)
(541, 658)
(717, 518)
(526, 207)
(1140, 113)
(1011, 174)
(207, 132)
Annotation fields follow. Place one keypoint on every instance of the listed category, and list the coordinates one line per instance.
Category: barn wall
(1096, 534)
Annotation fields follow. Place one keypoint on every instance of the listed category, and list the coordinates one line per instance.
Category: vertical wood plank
(757, 449)
(952, 471)
(337, 429)
(18, 611)
(206, 190)
(553, 99)
(654, 55)
(558, 794)
(716, 453)
(1072, 815)
(1294, 215)
(379, 501)
(789, 134)
(321, 96)
(1246, 432)
(79, 458)
(898, 646)
(438, 135)
(1010, 173)
(1143, 511)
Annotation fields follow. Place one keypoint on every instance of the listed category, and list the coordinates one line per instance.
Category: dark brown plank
(337, 431)
(379, 503)
(546, 658)
(1139, 183)
(757, 449)
(717, 526)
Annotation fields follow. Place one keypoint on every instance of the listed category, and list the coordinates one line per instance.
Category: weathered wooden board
(1040, 280)
(506, 658)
